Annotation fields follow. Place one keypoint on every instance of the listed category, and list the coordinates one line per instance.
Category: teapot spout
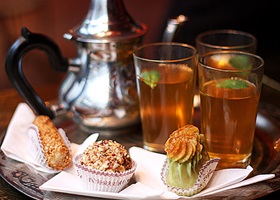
(173, 27)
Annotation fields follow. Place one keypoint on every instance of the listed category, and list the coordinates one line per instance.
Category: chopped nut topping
(107, 155)
(55, 150)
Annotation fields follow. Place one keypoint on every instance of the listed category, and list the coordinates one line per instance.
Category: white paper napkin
(16, 142)
(63, 182)
(148, 181)
(150, 164)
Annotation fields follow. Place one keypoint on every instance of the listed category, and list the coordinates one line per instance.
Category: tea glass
(230, 86)
(225, 39)
(166, 76)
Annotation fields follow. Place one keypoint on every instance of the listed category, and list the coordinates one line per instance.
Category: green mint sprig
(232, 84)
(151, 78)
(241, 62)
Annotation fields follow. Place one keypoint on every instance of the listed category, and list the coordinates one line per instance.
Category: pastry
(104, 166)
(54, 148)
(107, 155)
(186, 154)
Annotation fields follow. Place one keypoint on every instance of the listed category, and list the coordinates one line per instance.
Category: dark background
(260, 18)
(54, 18)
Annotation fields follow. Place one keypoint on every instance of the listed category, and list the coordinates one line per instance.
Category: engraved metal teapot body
(100, 84)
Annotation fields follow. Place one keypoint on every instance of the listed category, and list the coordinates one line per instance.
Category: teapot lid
(106, 20)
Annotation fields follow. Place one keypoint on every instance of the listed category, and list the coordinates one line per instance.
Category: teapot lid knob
(106, 20)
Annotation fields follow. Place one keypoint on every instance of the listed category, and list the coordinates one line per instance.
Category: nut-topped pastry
(50, 146)
(184, 170)
(107, 155)
(105, 166)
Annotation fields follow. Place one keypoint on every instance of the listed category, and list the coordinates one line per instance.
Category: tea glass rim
(251, 55)
(226, 31)
(178, 44)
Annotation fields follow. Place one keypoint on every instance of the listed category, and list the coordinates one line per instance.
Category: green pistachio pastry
(186, 155)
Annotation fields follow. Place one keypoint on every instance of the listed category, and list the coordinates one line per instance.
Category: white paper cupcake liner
(37, 147)
(97, 180)
(204, 176)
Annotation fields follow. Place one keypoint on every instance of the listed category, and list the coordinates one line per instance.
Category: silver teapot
(100, 84)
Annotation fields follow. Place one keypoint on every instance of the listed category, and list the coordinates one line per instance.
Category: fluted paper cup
(97, 180)
(204, 176)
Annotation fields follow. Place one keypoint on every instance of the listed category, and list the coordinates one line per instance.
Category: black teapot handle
(29, 41)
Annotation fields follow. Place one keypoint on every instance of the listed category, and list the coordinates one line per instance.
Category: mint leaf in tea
(151, 78)
(240, 62)
(232, 84)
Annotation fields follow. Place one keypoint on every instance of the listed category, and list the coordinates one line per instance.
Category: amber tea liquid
(167, 106)
(229, 122)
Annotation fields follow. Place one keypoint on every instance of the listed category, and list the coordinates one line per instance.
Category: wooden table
(9, 99)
